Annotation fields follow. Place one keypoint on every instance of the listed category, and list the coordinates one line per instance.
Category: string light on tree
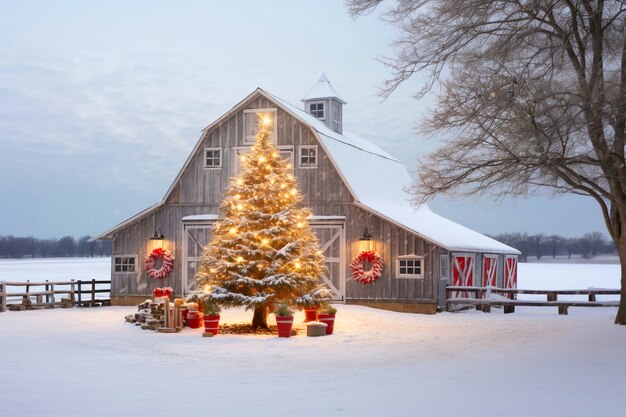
(263, 252)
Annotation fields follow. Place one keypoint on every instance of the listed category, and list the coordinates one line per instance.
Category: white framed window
(286, 152)
(444, 266)
(316, 108)
(336, 112)
(252, 123)
(125, 264)
(307, 156)
(410, 266)
(213, 158)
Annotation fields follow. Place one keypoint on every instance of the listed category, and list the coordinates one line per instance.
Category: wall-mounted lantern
(157, 235)
(156, 241)
(366, 243)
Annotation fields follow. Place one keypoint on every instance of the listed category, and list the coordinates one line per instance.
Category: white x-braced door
(330, 236)
(195, 238)
(332, 241)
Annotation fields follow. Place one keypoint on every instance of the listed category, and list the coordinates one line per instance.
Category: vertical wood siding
(200, 191)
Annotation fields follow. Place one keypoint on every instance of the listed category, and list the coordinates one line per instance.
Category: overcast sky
(101, 103)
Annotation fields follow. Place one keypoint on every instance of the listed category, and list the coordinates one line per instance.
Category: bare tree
(537, 240)
(556, 245)
(532, 96)
(571, 244)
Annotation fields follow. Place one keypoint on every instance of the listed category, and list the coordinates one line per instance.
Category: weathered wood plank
(3, 297)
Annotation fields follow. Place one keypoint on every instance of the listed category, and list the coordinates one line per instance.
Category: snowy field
(55, 269)
(531, 363)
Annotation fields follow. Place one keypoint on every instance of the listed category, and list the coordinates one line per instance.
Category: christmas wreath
(360, 274)
(167, 263)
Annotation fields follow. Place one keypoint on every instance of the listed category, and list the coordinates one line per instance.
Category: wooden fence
(33, 295)
(483, 298)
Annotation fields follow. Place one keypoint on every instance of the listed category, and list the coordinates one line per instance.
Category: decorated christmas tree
(263, 251)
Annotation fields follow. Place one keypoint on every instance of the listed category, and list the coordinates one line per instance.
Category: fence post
(47, 295)
(26, 298)
(3, 297)
(52, 300)
(72, 288)
(80, 293)
(93, 292)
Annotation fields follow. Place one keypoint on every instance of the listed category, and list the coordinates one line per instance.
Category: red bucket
(193, 320)
(329, 319)
(284, 325)
(310, 314)
(211, 324)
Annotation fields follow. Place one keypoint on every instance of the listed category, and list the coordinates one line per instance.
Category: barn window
(307, 157)
(317, 110)
(285, 152)
(444, 266)
(252, 123)
(125, 264)
(410, 266)
(212, 158)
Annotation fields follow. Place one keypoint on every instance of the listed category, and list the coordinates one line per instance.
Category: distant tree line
(541, 245)
(537, 245)
(67, 246)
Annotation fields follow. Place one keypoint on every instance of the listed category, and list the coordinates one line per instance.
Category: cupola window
(317, 110)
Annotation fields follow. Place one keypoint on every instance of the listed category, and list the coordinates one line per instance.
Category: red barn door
(490, 270)
(462, 273)
(510, 272)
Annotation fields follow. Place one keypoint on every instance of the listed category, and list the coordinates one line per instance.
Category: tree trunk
(259, 319)
(621, 311)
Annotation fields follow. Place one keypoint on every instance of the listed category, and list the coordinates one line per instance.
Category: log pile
(163, 317)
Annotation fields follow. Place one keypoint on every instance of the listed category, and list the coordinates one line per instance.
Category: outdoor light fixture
(157, 235)
(365, 241)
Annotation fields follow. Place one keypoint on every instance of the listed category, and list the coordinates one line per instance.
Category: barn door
(462, 273)
(195, 238)
(332, 241)
(490, 270)
(331, 237)
(510, 272)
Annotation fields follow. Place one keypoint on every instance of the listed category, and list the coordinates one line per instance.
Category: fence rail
(80, 293)
(483, 299)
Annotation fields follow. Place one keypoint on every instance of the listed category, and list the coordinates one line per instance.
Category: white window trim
(214, 167)
(411, 276)
(323, 103)
(317, 156)
(273, 136)
(124, 272)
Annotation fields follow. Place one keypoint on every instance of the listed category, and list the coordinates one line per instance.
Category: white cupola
(325, 103)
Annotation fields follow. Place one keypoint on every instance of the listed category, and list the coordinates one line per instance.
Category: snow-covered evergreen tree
(263, 251)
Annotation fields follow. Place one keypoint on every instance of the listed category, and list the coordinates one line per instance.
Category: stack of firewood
(164, 317)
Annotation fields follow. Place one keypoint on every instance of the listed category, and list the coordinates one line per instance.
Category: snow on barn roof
(377, 181)
(323, 89)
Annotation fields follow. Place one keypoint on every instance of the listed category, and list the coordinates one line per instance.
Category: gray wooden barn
(348, 182)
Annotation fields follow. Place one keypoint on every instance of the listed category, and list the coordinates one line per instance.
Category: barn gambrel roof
(375, 179)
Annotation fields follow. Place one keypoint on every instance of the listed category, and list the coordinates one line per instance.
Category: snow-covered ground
(54, 269)
(378, 363)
